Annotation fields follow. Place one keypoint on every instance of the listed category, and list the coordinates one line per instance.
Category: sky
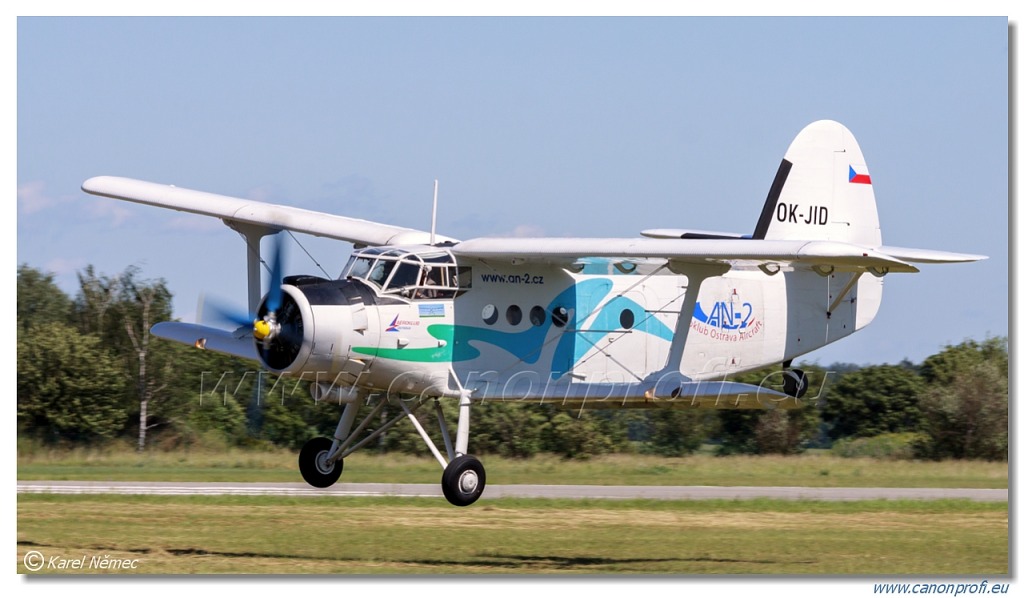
(533, 126)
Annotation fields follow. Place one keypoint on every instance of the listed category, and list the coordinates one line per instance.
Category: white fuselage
(534, 332)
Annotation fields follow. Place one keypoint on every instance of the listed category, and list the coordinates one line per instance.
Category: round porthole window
(538, 315)
(559, 316)
(490, 314)
(627, 319)
(514, 315)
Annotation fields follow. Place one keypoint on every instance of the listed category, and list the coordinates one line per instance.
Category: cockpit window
(406, 275)
(380, 272)
(358, 267)
(410, 273)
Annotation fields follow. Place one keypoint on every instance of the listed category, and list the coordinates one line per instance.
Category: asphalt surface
(520, 491)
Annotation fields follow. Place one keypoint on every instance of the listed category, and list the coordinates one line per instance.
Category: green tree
(783, 432)
(120, 311)
(676, 432)
(780, 431)
(209, 393)
(944, 366)
(69, 386)
(508, 429)
(218, 417)
(97, 295)
(290, 416)
(873, 400)
(965, 409)
(574, 434)
(40, 300)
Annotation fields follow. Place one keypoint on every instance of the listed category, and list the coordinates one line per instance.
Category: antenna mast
(433, 215)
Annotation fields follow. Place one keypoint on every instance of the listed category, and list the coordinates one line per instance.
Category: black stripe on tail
(773, 198)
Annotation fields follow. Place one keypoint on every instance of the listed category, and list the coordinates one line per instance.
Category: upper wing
(244, 211)
(681, 252)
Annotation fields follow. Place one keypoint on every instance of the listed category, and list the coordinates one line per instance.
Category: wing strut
(253, 260)
(668, 379)
(843, 293)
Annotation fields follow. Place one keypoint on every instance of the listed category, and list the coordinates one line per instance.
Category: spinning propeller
(277, 324)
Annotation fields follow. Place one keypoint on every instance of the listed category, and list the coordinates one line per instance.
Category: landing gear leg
(322, 459)
(464, 478)
(319, 463)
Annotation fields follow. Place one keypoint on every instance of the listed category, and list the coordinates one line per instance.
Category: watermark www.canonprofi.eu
(949, 588)
(36, 562)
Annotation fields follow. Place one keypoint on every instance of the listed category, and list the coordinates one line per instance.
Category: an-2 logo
(731, 320)
(791, 213)
(727, 315)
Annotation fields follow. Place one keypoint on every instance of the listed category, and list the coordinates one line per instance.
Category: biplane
(661, 320)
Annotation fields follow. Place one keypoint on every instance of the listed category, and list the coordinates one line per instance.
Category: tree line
(89, 372)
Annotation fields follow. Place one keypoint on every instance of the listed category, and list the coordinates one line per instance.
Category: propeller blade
(223, 312)
(276, 273)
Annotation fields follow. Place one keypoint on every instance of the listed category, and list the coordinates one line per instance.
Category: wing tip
(92, 184)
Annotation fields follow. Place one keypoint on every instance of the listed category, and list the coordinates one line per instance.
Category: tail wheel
(313, 463)
(794, 383)
(463, 480)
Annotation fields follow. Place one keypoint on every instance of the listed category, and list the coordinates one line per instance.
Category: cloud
(112, 211)
(62, 266)
(194, 223)
(524, 230)
(265, 193)
(32, 198)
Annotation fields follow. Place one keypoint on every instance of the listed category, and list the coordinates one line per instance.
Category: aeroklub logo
(398, 325)
(729, 320)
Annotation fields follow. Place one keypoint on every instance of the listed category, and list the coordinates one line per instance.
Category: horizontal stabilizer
(686, 233)
(929, 256)
(205, 337)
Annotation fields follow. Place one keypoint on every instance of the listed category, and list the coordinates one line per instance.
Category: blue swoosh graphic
(581, 300)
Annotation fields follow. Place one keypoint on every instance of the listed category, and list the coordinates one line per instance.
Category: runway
(517, 491)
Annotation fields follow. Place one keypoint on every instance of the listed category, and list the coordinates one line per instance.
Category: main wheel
(313, 463)
(794, 383)
(463, 480)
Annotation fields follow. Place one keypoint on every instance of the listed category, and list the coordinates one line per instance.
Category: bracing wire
(308, 253)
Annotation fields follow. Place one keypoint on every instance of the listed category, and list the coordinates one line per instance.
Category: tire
(794, 383)
(463, 480)
(313, 471)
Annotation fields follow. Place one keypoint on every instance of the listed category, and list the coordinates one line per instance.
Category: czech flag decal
(856, 177)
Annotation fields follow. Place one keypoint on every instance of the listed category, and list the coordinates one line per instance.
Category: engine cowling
(312, 329)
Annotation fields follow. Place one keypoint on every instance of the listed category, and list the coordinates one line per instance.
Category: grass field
(384, 536)
(417, 536)
(698, 470)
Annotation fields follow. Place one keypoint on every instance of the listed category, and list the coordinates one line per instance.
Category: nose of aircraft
(309, 332)
(280, 334)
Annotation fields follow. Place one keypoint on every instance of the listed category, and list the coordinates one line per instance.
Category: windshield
(412, 274)
(358, 267)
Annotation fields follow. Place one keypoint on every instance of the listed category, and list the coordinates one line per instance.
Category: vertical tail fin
(822, 191)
